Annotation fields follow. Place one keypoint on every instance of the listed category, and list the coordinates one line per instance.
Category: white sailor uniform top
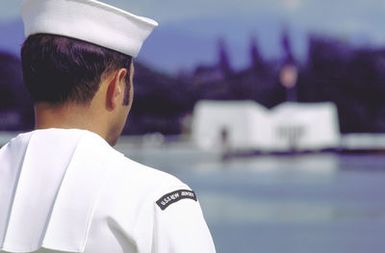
(69, 190)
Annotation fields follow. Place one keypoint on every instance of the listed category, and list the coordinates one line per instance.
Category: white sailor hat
(88, 20)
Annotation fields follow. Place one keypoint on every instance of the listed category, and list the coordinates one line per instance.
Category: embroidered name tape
(174, 197)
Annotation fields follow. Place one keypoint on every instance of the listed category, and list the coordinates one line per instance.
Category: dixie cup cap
(88, 20)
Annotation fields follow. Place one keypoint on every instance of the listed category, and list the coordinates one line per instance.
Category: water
(299, 204)
(313, 213)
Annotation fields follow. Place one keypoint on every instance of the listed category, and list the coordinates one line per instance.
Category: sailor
(63, 188)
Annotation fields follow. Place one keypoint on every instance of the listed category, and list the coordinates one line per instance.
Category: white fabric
(68, 190)
(88, 20)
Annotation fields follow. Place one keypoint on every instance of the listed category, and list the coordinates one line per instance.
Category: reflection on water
(309, 203)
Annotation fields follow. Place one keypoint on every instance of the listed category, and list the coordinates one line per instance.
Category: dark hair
(59, 69)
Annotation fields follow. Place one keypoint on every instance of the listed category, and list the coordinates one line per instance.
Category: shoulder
(122, 169)
(156, 206)
(149, 184)
(146, 175)
(157, 187)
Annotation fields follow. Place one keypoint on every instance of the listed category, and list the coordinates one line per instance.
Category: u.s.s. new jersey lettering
(175, 196)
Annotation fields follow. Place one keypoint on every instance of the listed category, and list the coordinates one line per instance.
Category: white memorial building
(248, 126)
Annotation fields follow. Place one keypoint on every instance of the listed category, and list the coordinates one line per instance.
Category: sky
(339, 16)
(358, 21)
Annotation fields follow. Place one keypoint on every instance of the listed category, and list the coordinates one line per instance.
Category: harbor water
(293, 204)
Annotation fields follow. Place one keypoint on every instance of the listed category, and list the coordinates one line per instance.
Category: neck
(69, 116)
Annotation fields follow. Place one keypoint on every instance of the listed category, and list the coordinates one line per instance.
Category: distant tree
(224, 59)
(354, 79)
(257, 61)
(161, 101)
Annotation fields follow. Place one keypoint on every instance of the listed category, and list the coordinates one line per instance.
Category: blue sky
(358, 21)
(337, 16)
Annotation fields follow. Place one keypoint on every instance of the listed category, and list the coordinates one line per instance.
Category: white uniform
(68, 190)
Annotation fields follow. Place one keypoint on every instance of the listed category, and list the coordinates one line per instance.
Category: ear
(116, 88)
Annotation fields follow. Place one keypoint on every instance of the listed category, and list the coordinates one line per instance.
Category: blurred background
(273, 111)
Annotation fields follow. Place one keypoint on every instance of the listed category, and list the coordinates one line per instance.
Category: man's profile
(63, 188)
